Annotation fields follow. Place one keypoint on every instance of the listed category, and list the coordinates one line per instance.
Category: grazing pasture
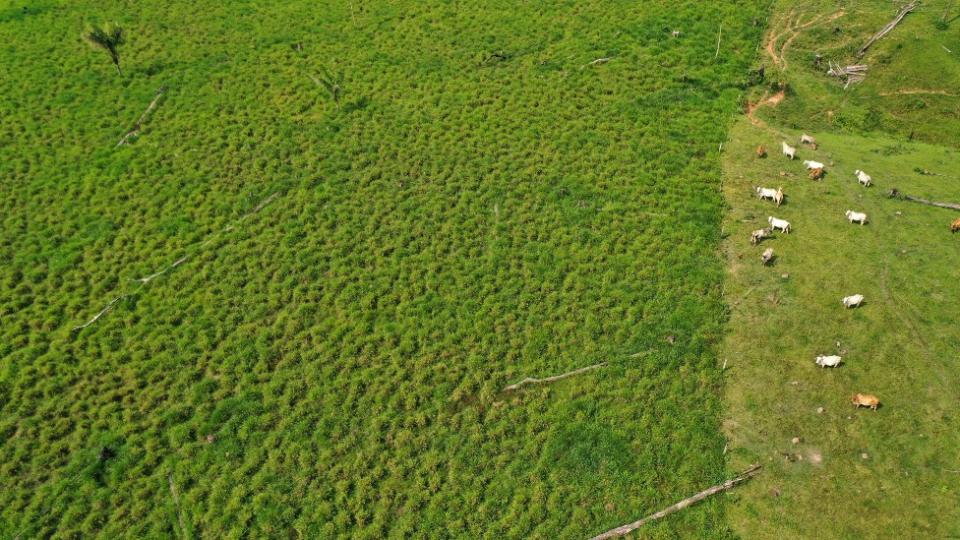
(342, 230)
(893, 473)
(832, 470)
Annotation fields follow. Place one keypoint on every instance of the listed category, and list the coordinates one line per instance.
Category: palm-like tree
(332, 83)
(108, 37)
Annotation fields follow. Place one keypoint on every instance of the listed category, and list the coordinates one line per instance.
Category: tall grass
(332, 366)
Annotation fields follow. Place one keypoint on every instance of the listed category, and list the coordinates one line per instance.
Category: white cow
(758, 235)
(813, 165)
(852, 301)
(775, 195)
(788, 150)
(828, 361)
(781, 224)
(863, 177)
(767, 256)
(806, 139)
(856, 217)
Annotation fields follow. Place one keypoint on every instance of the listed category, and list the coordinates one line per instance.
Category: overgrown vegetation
(332, 366)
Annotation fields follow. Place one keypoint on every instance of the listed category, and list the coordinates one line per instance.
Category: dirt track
(794, 29)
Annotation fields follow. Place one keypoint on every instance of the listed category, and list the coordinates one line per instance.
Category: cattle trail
(917, 91)
(794, 29)
(765, 101)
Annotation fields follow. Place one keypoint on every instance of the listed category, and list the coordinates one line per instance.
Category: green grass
(479, 208)
(890, 473)
(901, 345)
(918, 55)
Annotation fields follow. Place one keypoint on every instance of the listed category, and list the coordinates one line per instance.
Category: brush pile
(852, 74)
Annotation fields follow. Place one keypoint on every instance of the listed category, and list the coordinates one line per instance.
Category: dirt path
(791, 29)
(794, 29)
(917, 91)
(766, 101)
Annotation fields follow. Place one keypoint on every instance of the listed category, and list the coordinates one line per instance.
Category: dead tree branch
(147, 279)
(98, 315)
(630, 527)
(895, 194)
(597, 62)
(886, 29)
(176, 502)
(135, 130)
(531, 380)
(852, 74)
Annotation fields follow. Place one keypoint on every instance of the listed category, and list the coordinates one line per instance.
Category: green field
(911, 88)
(339, 289)
(894, 473)
(901, 345)
(483, 204)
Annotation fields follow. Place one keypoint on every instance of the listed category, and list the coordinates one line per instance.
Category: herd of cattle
(816, 172)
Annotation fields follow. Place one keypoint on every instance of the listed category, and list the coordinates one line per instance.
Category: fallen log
(228, 228)
(175, 264)
(176, 503)
(889, 26)
(597, 62)
(531, 380)
(147, 279)
(100, 314)
(895, 194)
(143, 117)
(256, 208)
(752, 471)
(853, 74)
(719, 35)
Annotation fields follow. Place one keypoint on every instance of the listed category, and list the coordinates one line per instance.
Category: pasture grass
(901, 345)
(911, 88)
(855, 473)
(477, 205)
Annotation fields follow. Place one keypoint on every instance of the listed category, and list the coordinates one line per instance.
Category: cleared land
(894, 473)
(482, 206)
(911, 85)
(900, 345)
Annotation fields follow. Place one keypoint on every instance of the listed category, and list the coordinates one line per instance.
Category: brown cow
(865, 400)
(816, 174)
(955, 226)
(761, 152)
